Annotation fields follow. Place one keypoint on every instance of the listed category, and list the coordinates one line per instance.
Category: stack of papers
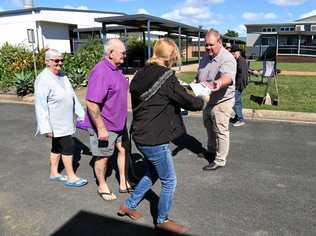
(200, 89)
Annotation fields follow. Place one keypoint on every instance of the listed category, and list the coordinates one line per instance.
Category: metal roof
(37, 9)
(156, 24)
(283, 24)
(109, 29)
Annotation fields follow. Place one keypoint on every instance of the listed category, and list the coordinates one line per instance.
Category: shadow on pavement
(79, 149)
(87, 223)
(187, 141)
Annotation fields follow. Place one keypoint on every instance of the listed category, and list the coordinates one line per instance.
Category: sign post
(31, 39)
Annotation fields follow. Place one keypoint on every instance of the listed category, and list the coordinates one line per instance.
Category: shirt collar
(216, 58)
(109, 64)
(54, 75)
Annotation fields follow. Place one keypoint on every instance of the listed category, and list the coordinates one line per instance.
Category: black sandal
(127, 190)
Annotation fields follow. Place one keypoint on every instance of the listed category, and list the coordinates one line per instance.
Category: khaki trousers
(216, 121)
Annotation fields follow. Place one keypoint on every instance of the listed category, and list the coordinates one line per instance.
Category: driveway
(267, 188)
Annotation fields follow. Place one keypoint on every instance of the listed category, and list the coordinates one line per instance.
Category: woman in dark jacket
(157, 97)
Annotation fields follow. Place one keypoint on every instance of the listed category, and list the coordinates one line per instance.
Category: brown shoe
(172, 227)
(133, 214)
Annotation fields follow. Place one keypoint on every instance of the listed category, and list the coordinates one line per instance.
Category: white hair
(52, 53)
(111, 45)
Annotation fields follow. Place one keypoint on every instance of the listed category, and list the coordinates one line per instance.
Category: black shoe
(233, 120)
(211, 166)
(206, 155)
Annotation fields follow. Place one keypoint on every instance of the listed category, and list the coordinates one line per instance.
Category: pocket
(91, 132)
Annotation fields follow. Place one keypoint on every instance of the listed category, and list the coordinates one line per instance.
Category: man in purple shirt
(106, 102)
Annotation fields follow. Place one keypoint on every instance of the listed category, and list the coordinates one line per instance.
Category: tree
(231, 33)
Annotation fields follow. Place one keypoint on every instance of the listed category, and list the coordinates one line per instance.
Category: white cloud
(290, 14)
(142, 11)
(256, 16)
(195, 12)
(203, 2)
(81, 7)
(307, 14)
(241, 29)
(287, 2)
(269, 15)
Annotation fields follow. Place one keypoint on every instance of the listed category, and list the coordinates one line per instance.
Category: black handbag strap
(154, 88)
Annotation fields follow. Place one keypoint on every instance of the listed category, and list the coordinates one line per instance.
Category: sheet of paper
(200, 90)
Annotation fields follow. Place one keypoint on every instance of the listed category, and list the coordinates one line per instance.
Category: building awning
(109, 29)
(140, 21)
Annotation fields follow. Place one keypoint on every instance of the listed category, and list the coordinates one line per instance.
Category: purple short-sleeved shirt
(108, 87)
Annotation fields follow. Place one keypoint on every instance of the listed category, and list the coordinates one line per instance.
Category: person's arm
(41, 107)
(227, 76)
(95, 115)
(222, 82)
(178, 94)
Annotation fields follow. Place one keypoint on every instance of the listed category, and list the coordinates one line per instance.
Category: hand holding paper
(213, 85)
(200, 89)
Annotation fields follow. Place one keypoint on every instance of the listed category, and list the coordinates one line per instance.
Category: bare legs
(124, 184)
(67, 161)
(54, 160)
(100, 167)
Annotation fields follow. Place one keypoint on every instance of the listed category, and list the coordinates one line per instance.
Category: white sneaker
(239, 123)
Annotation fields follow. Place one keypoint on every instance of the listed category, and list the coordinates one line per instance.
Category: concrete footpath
(250, 114)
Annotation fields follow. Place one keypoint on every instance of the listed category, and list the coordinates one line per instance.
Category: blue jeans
(238, 105)
(160, 166)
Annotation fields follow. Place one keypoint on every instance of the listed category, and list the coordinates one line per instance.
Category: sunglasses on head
(57, 60)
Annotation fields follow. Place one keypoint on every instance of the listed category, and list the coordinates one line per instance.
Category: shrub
(14, 60)
(78, 65)
(24, 83)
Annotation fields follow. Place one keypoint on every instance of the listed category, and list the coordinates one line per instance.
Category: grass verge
(296, 93)
(306, 66)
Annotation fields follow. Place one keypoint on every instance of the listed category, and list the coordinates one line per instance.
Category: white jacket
(55, 104)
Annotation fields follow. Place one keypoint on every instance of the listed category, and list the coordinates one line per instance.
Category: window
(288, 40)
(268, 29)
(268, 41)
(286, 29)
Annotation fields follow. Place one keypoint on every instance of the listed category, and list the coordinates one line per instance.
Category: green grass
(306, 66)
(296, 93)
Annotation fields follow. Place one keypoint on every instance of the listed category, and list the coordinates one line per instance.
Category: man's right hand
(49, 135)
(103, 134)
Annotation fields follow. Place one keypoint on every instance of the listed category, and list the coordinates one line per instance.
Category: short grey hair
(52, 53)
(216, 33)
(111, 44)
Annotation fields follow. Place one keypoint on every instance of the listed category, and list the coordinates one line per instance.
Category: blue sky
(219, 14)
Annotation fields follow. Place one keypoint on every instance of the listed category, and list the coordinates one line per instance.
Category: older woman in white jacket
(55, 105)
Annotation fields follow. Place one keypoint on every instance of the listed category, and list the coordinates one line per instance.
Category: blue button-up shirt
(55, 104)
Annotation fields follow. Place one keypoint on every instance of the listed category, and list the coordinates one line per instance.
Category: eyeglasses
(57, 60)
